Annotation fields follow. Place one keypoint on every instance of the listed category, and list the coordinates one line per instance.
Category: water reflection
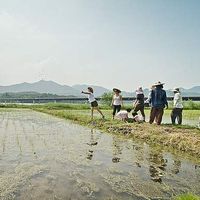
(157, 165)
(140, 152)
(176, 166)
(117, 149)
(85, 164)
(93, 142)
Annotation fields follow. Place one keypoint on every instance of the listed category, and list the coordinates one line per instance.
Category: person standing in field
(149, 95)
(93, 102)
(178, 107)
(117, 101)
(138, 104)
(158, 101)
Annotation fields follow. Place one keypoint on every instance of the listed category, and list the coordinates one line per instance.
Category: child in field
(123, 114)
(93, 102)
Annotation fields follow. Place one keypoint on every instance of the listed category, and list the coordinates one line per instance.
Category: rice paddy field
(51, 157)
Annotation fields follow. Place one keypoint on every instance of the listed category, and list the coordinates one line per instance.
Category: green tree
(106, 98)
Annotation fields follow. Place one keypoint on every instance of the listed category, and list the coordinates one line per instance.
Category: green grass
(187, 197)
(54, 106)
(188, 105)
(184, 138)
(187, 114)
(191, 105)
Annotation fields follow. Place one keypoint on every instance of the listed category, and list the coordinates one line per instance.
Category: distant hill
(51, 87)
(192, 92)
(29, 95)
(195, 89)
(41, 87)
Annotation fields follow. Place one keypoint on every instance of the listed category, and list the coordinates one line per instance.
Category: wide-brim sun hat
(117, 90)
(176, 90)
(139, 90)
(158, 84)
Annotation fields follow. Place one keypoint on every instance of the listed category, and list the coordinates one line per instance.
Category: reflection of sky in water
(49, 158)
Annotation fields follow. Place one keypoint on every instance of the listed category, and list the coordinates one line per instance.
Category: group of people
(157, 100)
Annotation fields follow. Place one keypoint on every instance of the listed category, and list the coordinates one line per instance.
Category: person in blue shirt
(158, 101)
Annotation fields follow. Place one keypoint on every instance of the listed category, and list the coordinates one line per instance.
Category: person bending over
(123, 115)
(137, 118)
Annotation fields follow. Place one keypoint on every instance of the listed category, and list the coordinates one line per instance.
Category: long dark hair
(91, 89)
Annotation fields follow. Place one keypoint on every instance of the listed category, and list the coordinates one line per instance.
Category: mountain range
(54, 88)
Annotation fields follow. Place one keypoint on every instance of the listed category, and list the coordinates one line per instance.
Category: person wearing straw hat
(139, 103)
(158, 101)
(178, 107)
(117, 101)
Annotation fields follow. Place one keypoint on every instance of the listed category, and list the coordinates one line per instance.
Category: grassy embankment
(187, 197)
(183, 138)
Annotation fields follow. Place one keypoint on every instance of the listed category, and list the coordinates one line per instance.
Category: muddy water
(43, 157)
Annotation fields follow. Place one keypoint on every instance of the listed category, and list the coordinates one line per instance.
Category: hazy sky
(122, 43)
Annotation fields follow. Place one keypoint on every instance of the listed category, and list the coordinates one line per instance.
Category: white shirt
(122, 114)
(138, 118)
(178, 101)
(91, 97)
(117, 100)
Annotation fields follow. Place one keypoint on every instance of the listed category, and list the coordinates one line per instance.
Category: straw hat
(158, 84)
(116, 90)
(176, 90)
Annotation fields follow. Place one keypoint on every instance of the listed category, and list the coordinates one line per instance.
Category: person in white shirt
(123, 114)
(177, 107)
(138, 118)
(93, 102)
(117, 101)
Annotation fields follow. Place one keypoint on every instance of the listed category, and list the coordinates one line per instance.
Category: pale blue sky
(112, 43)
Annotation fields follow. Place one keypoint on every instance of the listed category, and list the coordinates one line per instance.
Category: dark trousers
(116, 109)
(156, 114)
(176, 114)
(139, 107)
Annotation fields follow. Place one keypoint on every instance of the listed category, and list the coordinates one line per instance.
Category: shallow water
(43, 157)
(190, 122)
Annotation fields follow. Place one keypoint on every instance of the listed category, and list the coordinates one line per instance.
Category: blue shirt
(158, 98)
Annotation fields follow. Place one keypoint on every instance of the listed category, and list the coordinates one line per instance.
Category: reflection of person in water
(157, 165)
(176, 166)
(93, 142)
(117, 150)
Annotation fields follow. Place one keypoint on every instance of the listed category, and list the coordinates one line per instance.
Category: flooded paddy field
(43, 157)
